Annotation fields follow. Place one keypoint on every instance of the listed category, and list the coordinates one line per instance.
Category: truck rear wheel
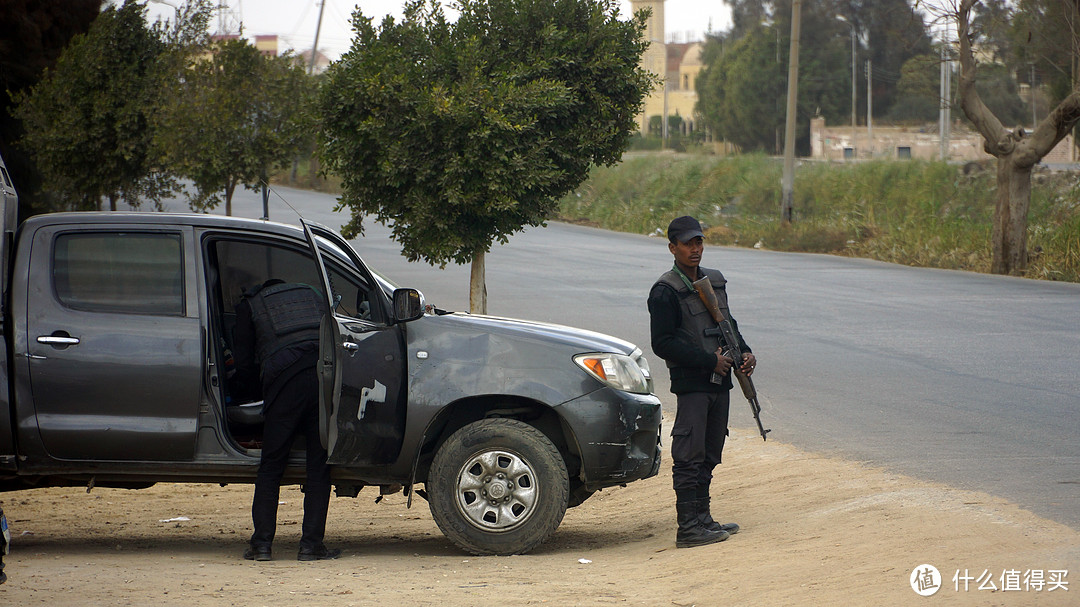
(498, 486)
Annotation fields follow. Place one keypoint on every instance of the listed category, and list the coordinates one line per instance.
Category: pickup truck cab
(116, 371)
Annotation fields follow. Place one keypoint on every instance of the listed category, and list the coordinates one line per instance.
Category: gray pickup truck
(116, 371)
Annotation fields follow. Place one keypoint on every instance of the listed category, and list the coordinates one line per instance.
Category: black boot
(691, 532)
(706, 519)
(704, 498)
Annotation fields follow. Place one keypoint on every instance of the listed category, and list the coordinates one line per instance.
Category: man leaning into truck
(277, 335)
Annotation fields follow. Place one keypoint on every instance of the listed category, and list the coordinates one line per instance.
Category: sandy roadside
(815, 531)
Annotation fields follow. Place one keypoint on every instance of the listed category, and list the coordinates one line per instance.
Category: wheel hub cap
(496, 490)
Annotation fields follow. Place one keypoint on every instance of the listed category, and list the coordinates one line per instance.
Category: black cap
(683, 229)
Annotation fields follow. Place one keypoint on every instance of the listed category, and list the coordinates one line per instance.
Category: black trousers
(697, 438)
(293, 412)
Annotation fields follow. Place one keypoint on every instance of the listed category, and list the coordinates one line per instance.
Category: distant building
(677, 63)
(901, 143)
(266, 44)
(321, 61)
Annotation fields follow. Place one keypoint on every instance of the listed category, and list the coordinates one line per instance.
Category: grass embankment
(917, 213)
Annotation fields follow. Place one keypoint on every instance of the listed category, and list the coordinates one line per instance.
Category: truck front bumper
(617, 436)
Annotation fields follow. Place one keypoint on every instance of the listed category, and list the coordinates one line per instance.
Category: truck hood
(581, 340)
(453, 356)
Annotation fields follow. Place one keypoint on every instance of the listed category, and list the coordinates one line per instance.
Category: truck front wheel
(498, 486)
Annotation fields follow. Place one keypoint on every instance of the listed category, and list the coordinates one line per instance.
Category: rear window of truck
(120, 272)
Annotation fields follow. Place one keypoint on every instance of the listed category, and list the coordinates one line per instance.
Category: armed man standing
(683, 334)
(277, 335)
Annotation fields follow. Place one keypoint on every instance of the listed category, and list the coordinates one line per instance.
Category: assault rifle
(729, 341)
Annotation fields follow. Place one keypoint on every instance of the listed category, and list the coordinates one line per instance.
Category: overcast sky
(294, 21)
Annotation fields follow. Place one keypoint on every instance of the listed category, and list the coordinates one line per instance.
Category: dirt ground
(816, 531)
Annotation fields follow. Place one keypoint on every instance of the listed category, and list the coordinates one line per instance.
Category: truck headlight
(616, 370)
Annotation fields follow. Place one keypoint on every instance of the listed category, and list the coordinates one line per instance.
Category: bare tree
(1017, 151)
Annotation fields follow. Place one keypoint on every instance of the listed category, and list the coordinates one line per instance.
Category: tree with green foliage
(888, 32)
(741, 94)
(232, 118)
(746, 15)
(87, 122)
(460, 134)
(997, 88)
(741, 90)
(920, 89)
(33, 35)
(991, 24)
(1016, 150)
(1043, 39)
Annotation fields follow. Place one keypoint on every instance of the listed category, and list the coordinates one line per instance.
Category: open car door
(362, 404)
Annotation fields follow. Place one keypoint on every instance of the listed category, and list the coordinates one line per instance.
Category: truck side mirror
(408, 305)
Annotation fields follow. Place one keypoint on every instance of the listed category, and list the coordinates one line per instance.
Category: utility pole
(854, 148)
(854, 79)
(943, 103)
(948, 101)
(787, 190)
(869, 108)
(315, 45)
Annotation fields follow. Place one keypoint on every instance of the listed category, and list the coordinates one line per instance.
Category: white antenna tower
(229, 19)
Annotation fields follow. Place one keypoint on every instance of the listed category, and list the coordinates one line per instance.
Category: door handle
(350, 346)
(57, 340)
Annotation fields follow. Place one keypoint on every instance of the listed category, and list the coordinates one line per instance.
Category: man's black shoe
(321, 553)
(258, 553)
(691, 531)
(706, 519)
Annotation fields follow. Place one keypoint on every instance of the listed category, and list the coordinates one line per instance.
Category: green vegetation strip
(927, 214)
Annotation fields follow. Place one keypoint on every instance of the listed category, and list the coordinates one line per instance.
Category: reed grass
(918, 213)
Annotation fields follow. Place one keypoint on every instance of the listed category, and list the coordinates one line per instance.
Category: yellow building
(677, 63)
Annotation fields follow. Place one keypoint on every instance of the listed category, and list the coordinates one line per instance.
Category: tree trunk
(313, 172)
(1020, 195)
(477, 285)
(229, 189)
(1016, 150)
(1009, 237)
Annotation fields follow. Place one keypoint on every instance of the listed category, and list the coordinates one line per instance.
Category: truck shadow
(230, 545)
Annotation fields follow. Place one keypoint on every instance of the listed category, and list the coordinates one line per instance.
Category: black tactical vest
(695, 316)
(285, 314)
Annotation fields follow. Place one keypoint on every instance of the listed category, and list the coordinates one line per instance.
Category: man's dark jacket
(690, 359)
(278, 364)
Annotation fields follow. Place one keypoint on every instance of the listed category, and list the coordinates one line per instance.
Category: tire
(498, 486)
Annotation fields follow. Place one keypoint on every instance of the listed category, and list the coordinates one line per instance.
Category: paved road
(967, 379)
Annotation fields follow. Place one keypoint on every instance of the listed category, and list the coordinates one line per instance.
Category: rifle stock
(732, 348)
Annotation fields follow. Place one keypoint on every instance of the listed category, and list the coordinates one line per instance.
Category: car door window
(355, 299)
(242, 265)
(356, 296)
(134, 273)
